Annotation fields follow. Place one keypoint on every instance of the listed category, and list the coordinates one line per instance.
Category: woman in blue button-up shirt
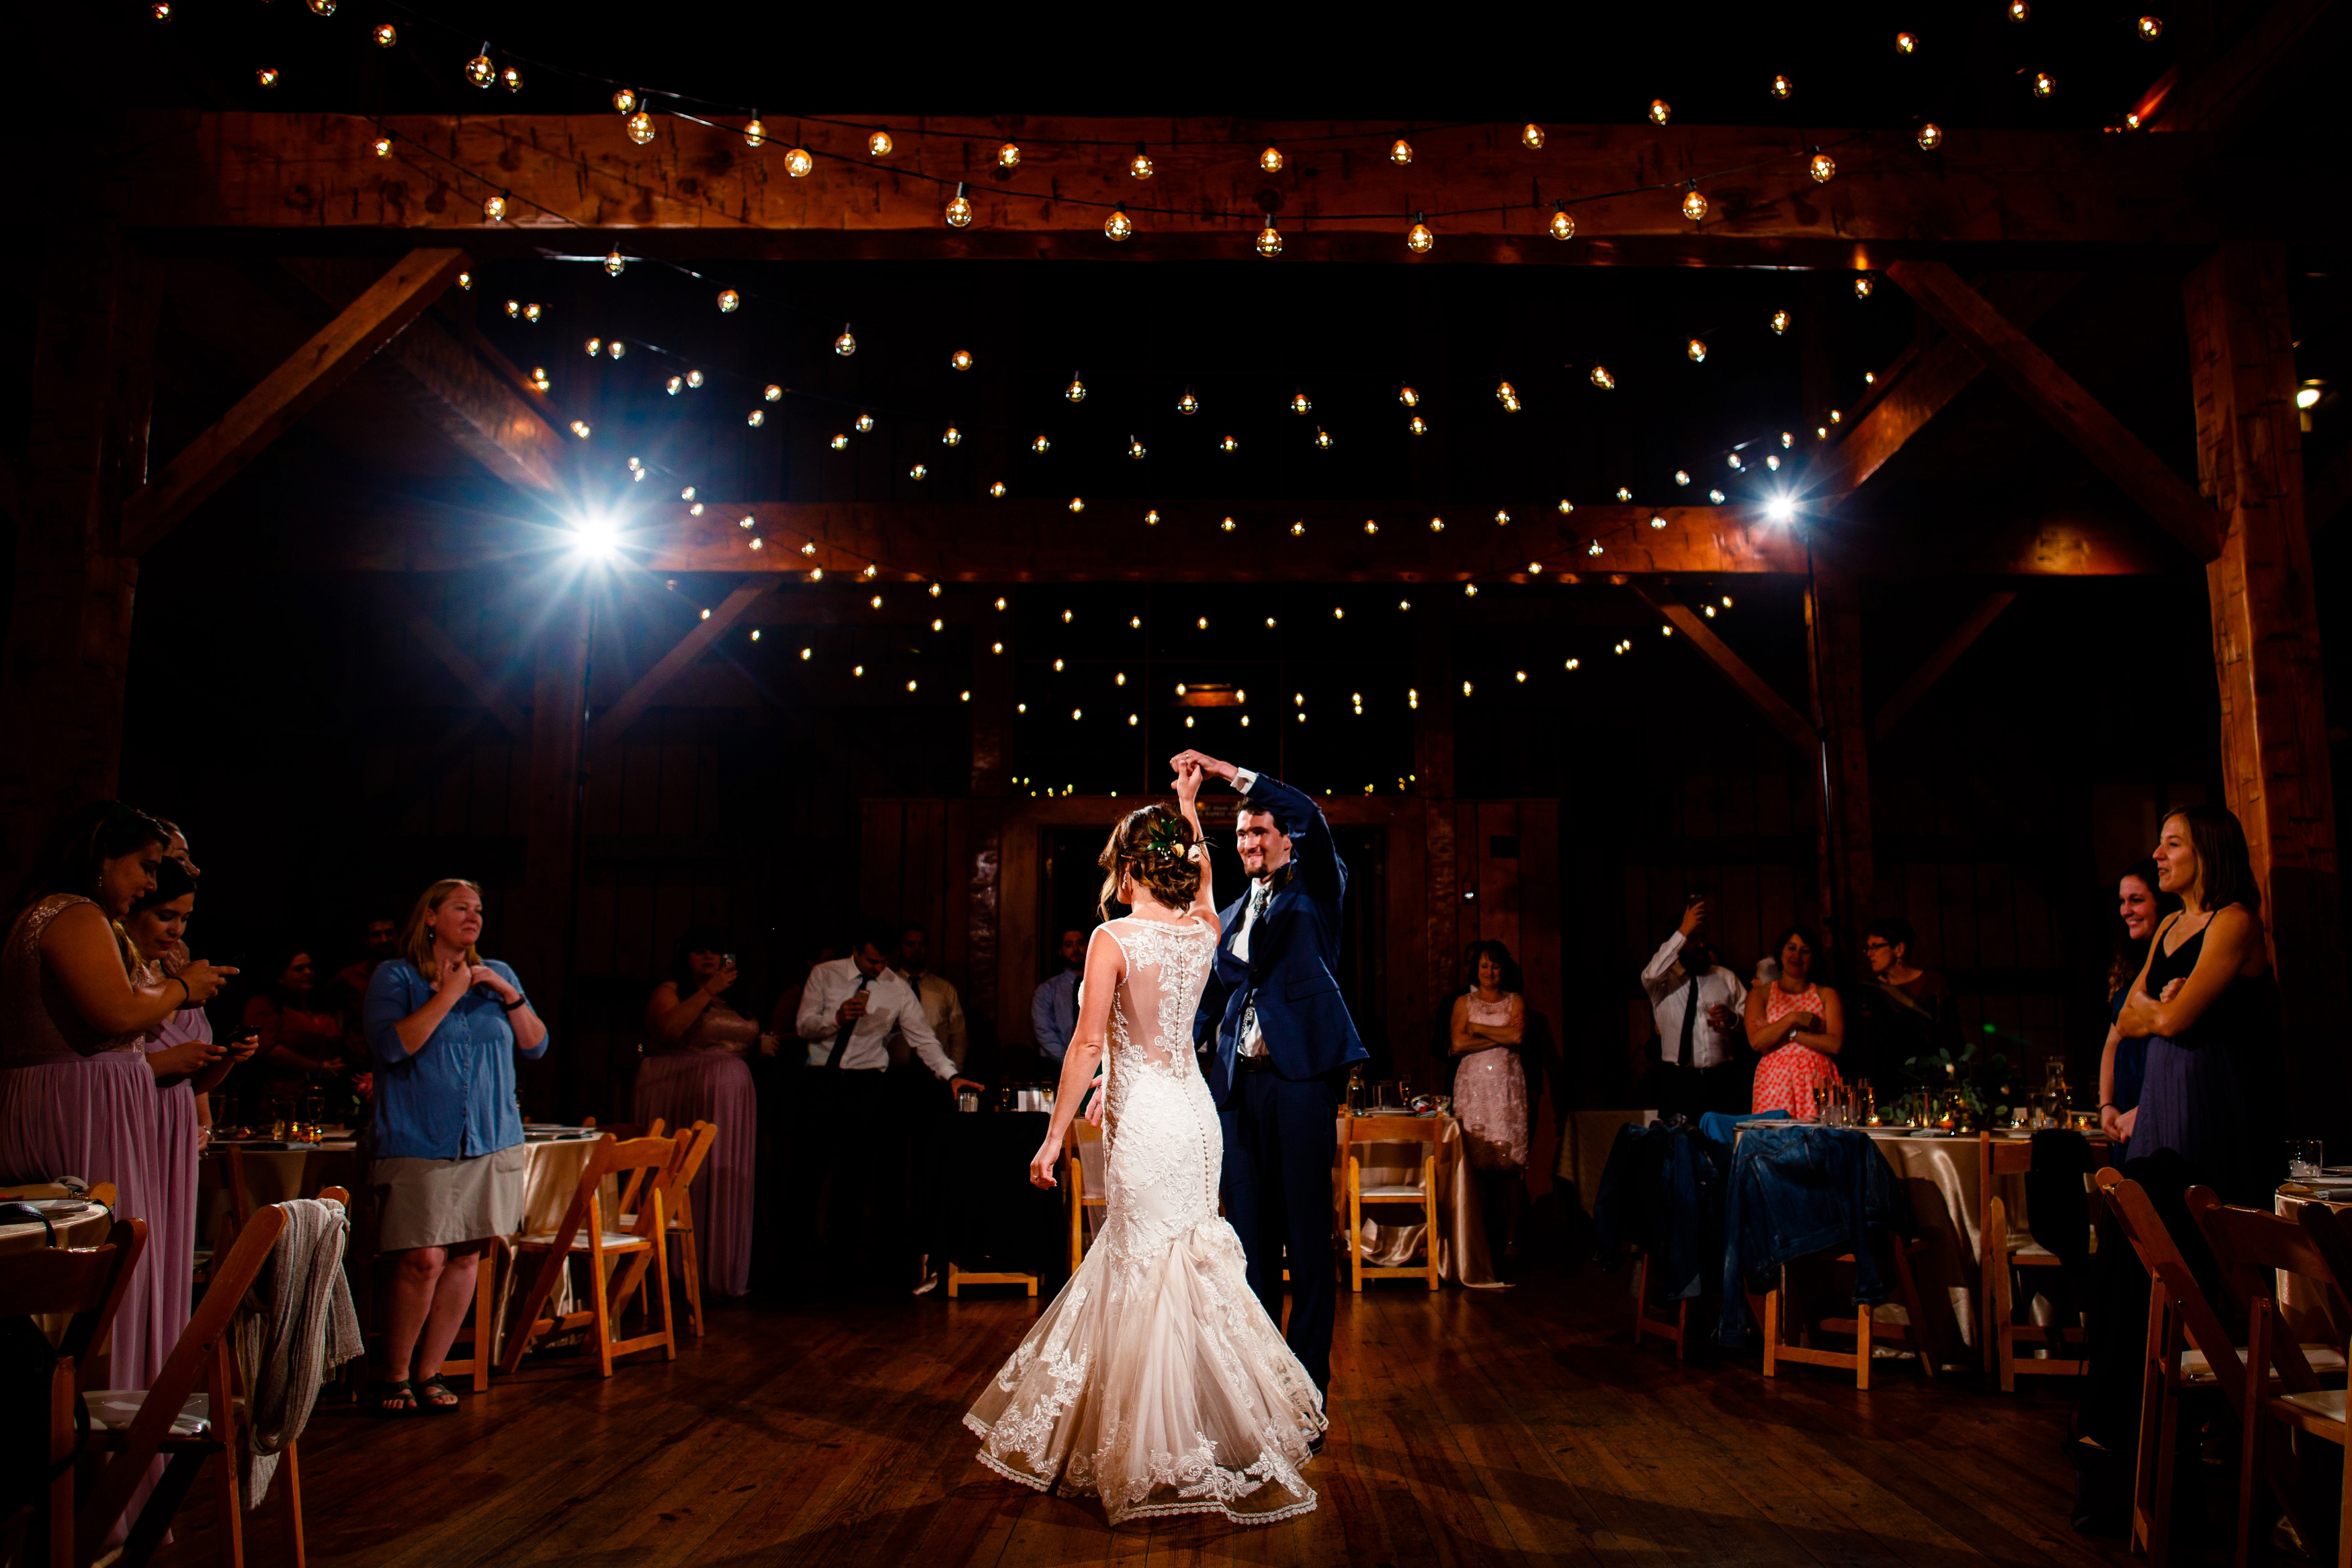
(448, 1159)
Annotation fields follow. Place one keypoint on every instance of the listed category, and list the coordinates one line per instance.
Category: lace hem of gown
(1150, 1510)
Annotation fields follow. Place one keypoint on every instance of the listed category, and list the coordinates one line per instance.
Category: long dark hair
(79, 848)
(699, 939)
(2225, 868)
(2131, 952)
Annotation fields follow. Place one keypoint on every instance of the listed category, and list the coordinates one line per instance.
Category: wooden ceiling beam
(333, 355)
(1948, 653)
(1793, 726)
(566, 173)
(2224, 96)
(648, 688)
(1920, 385)
(2059, 398)
(485, 688)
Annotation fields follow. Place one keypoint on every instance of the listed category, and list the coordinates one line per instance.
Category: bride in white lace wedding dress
(1155, 1379)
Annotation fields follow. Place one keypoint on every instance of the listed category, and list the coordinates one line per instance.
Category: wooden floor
(1468, 1428)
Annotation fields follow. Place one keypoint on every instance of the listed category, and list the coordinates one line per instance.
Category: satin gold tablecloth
(2309, 1323)
(88, 1228)
(1462, 1258)
(1945, 1181)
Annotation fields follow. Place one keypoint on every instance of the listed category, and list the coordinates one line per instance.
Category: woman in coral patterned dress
(1155, 1380)
(1798, 1027)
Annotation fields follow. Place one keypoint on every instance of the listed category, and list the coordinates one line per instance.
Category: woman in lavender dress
(187, 1064)
(695, 1070)
(77, 1097)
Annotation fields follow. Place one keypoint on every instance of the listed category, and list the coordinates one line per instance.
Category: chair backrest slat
(2144, 1227)
(693, 1148)
(2253, 1247)
(1393, 1129)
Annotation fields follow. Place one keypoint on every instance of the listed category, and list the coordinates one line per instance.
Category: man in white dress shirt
(1697, 1004)
(849, 1011)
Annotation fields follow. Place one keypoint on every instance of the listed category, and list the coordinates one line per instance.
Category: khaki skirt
(440, 1203)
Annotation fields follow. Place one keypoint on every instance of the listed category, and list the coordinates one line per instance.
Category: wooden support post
(1432, 747)
(552, 840)
(2267, 654)
(69, 633)
(992, 711)
(1833, 629)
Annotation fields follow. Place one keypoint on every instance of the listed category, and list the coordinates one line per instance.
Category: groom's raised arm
(1301, 822)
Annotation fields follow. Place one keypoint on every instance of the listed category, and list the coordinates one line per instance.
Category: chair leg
(1861, 1322)
(600, 1304)
(1682, 1328)
(2153, 1399)
(2344, 1512)
(692, 1275)
(229, 1511)
(1354, 1226)
(668, 1313)
(1773, 1329)
(1640, 1300)
(1915, 1310)
(1429, 1208)
(2168, 1441)
(289, 1499)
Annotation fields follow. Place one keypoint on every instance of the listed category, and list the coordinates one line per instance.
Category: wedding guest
(187, 1065)
(1902, 1011)
(448, 1161)
(942, 1008)
(2205, 1002)
(77, 1096)
(920, 1111)
(301, 1034)
(175, 848)
(1053, 1011)
(1797, 1026)
(379, 939)
(694, 1070)
(1697, 1003)
(2123, 1063)
(1490, 1087)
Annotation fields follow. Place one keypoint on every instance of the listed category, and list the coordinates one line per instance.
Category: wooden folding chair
(693, 1147)
(2006, 1251)
(1675, 1329)
(628, 1253)
(1362, 1131)
(625, 1199)
(103, 1194)
(2253, 1247)
(1074, 1186)
(188, 1412)
(86, 1286)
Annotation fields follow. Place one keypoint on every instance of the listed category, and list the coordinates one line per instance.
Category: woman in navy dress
(2122, 1064)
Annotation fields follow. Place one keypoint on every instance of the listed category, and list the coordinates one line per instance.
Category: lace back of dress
(1151, 1017)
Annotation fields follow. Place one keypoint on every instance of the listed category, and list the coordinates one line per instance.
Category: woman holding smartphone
(694, 1070)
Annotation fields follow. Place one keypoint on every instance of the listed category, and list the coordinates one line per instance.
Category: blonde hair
(1157, 847)
(415, 940)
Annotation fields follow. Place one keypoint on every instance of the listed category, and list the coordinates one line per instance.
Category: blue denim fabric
(1661, 1194)
(455, 1096)
(1798, 1190)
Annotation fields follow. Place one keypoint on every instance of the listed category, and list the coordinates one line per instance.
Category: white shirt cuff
(1245, 780)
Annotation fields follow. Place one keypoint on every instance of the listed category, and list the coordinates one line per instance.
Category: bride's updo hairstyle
(1156, 846)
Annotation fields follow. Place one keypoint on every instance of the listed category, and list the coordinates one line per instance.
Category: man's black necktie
(1690, 1022)
(841, 1040)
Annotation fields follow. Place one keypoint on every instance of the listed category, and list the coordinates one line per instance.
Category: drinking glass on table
(2304, 1159)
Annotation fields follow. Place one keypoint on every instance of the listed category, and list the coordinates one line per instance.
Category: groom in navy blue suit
(1280, 1041)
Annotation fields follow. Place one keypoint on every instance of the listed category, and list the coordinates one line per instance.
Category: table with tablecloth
(2308, 1322)
(1462, 1258)
(85, 1228)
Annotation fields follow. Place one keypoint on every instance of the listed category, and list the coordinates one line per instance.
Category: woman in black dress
(2205, 1005)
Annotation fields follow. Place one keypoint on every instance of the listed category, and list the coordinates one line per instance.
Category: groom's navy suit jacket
(1294, 953)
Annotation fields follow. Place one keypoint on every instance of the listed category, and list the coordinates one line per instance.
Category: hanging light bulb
(2151, 28)
(1906, 42)
(797, 162)
(756, 418)
(1862, 285)
(1400, 150)
(846, 344)
(1623, 493)
(1134, 447)
(693, 378)
(1660, 111)
(1437, 524)
(960, 359)
(1562, 226)
(1824, 168)
(1696, 349)
(1119, 225)
(1229, 444)
(2044, 84)
(512, 79)
(595, 347)
(1511, 403)
(1322, 438)
(1299, 403)
(1788, 439)
(1602, 378)
(580, 428)
(918, 472)
(996, 490)
(1780, 322)
(1531, 136)
(1418, 425)
(1076, 390)
(624, 100)
(1409, 396)
(1502, 517)
(839, 444)
(534, 311)
(1682, 475)
(951, 436)
(1188, 403)
(755, 134)
(386, 35)
(1269, 240)
(382, 146)
(1694, 202)
(1772, 461)
(1418, 239)
(1041, 444)
(479, 71)
(1931, 136)
(729, 301)
(1733, 459)
(1781, 86)
(616, 347)
(2019, 10)
(640, 127)
(1566, 506)
(1506, 393)
(1077, 504)
(267, 76)
(879, 144)
(773, 393)
(674, 385)
(959, 212)
(1008, 156)
(613, 262)
(1140, 166)
(494, 208)
(1271, 159)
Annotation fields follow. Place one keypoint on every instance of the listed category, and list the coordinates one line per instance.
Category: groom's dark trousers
(1278, 1110)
